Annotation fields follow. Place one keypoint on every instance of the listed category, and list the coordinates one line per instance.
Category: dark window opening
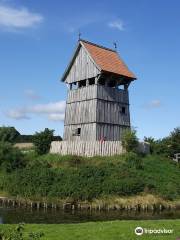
(91, 81)
(123, 110)
(77, 132)
(82, 83)
(112, 83)
(101, 81)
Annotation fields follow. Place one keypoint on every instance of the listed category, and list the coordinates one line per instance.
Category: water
(16, 215)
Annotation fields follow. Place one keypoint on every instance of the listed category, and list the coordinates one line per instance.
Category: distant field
(114, 230)
(24, 145)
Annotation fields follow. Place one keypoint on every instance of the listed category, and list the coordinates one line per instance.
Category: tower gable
(81, 66)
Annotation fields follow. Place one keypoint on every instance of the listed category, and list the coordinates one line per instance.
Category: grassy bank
(143, 202)
(113, 230)
(102, 181)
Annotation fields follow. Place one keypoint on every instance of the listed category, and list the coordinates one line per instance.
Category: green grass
(77, 178)
(114, 230)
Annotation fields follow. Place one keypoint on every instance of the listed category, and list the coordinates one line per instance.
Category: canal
(18, 215)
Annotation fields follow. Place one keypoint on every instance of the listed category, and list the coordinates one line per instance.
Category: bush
(81, 178)
(42, 141)
(10, 158)
(130, 140)
(8, 134)
(167, 146)
(134, 160)
(152, 143)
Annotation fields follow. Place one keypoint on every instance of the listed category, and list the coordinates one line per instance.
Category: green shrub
(42, 141)
(10, 158)
(80, 178)
(167, 146)
(134, 160)
(152, 143)
(8, 134)
(130, 140)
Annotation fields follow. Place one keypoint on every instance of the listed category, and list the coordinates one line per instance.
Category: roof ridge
(97, 45)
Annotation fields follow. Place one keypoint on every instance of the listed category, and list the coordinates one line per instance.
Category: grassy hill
(85, 179)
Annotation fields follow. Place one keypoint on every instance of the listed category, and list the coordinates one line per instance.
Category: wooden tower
(97, 106)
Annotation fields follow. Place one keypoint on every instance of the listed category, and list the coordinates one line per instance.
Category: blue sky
(37, 39)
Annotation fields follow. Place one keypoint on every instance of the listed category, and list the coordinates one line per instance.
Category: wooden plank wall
(88, 132)
(99, 92)
(109, 132)
(112, 94)
(82, 94)
(87, 148)
(111, 112)
(82, 68)
(96, 110)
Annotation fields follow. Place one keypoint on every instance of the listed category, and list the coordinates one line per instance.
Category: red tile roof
(107, 59)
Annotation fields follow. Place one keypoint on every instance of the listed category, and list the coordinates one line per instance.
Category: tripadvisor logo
(139, 231)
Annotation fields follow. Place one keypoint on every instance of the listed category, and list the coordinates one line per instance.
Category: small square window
(79, 131)
(123, 110)
(76, 132)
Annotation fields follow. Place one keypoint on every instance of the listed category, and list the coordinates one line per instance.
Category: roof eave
(118, 74)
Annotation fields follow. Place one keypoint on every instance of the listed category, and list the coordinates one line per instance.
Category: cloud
(17, 114)
(18, 18)
(31, 94)
(117, 24)
(55, 107)
(153, 104)
(53, 111)
(56, 116)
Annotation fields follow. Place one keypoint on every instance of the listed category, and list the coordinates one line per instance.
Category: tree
(130, 140)
(174, 143)
(11, 158)
(42, 141)
(167, 146)
(152, 143)
(8, 134)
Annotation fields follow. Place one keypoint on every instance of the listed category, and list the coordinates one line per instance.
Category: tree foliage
(42, 141)
(167, 146)
(130, 140)
(8, 134)
(11, 158)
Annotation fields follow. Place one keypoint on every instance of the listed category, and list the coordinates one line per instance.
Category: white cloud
(53, 111)
(54, 107)
(56, 116)
(156, 103)
(117, 24)
(18, 18)
(17, 114)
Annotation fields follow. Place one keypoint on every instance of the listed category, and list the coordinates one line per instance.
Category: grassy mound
(80, 178)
